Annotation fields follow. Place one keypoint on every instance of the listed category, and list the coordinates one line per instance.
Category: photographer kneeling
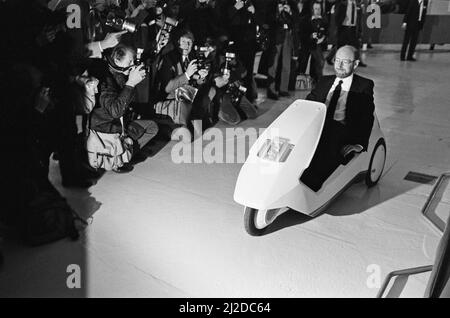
(181, 86)
(109, 117)
(230, 92)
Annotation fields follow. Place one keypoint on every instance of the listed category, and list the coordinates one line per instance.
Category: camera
(164, 33)
(236, 91)
(229, 59)
(201, 57)
(139, 61)
(118, 23)
(160, 6)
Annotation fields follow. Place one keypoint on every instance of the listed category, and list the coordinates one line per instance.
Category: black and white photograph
(222, 156)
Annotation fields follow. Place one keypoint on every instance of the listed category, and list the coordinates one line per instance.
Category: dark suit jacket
(359, 108)
(411, 17)
(341, 12)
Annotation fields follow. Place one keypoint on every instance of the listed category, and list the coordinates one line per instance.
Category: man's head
(185, 42)
(123, 57)
(346, 61)
(316, 9)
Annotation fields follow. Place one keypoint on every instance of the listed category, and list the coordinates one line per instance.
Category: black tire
(369, 182)
(249, 222)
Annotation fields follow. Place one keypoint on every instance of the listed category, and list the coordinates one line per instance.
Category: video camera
(119, 23)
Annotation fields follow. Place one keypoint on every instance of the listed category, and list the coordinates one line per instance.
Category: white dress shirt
(421, 4)
(348, 16)
(339, 114)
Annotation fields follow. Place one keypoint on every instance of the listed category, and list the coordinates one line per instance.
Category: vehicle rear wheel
(376, 164)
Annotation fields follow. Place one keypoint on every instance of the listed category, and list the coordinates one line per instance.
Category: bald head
(346, 61)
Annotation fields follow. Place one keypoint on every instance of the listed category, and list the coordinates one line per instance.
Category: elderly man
(349, 118)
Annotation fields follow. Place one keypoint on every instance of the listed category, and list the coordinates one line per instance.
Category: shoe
(124, 169)
(272, 95)
(411, 59)
(369, 46)
(362, 64)
(77, 183)
(402, 58)
(284, 94)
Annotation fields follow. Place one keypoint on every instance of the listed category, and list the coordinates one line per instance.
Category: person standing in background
(413, 22)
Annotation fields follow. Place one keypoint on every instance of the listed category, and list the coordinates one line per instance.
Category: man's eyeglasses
(346, 62)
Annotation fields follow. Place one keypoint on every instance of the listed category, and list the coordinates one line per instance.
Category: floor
(173, 230)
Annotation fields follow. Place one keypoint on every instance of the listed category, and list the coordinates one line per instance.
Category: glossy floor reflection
(173, 230)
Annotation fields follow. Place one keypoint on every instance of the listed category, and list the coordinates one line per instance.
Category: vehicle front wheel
(256, 221)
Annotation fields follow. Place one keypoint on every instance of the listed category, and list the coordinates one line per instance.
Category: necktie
(333, 102)
(352, 18)
(185, 63)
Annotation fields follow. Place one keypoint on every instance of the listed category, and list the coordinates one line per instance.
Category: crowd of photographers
(81, 77)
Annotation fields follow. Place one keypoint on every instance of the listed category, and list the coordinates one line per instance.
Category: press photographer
(282, 21)
(233, 106)
(109, 120)
(179, 80)
(241, 25)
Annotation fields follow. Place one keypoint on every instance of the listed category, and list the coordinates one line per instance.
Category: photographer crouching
(230, 92)
(182, 83)
(109, 120)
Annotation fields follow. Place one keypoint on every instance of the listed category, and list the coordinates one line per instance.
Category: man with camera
(118, 79)
(282, 23)
(181, 75)
(313, 32)
(241, 24)
(233, 106)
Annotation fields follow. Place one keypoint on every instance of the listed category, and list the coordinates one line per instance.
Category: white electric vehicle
(268, 183)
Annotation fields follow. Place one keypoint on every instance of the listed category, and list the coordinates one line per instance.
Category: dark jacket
(171, 75)
(359, 108)
(280, 23)
(241, 25)
(308, 27)
(341, 12)
(114, 100)
(411, 17)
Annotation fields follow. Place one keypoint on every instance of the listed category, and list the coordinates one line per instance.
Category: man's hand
(203, 73)
(191, 69)
(111, 40)
(223, 80)
(239, 4)
(251, 9)
(137, 75)
(287, 8)
(404, 26)
(347, 149)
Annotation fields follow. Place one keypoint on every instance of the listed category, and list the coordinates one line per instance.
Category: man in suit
(348, 20)
(349, 118)
(412, 24)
